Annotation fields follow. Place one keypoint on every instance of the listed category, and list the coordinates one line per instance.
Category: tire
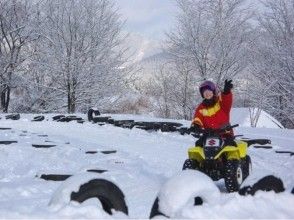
(91, 113)
(57, 117)
(55, 177)
(183, 130)
(155, 210)
(100, 119)
(267, 183)
(191, 165)
(121, 123)
(39, 118)
(247, 167)
(13, 117)
(233, 175)
(62, 119)
(186, 189)
(110, 196)
(73, 118)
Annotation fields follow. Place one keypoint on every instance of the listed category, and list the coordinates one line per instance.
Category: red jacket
(216, 116)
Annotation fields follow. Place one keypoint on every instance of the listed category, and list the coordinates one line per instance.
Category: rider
(214, 111)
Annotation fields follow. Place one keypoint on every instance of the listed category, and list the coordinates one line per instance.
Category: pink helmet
(208, 85)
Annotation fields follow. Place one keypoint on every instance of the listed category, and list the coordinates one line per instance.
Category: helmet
(207, 85)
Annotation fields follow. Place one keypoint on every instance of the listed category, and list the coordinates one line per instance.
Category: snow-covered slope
(144, 161)
(241, 116)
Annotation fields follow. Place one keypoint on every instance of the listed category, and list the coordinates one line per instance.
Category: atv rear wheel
(233, 175)
(191, 165)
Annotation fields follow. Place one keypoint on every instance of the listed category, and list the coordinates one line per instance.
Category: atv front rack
(257, 141)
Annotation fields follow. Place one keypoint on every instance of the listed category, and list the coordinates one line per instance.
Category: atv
(220, 157)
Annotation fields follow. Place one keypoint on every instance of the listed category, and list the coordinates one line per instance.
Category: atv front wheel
(190, 165)
(247, 167)
(233, 175)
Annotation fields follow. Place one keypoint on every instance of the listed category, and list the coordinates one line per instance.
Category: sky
(148, 18)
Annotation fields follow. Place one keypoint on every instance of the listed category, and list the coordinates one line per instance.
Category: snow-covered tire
(86, 187)
(247, 167)
(57, 117)
(73, 118)
(233, 175)
(91, 113)
(190, 165)
(180, 192)
(39, 118)
(155, 210)
(267, 183)
(13, 116)
(110, 196)
(100, 119)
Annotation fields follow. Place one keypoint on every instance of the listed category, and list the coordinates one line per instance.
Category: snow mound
(180, 191)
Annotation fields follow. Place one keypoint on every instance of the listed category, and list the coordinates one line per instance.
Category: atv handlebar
(212, 131)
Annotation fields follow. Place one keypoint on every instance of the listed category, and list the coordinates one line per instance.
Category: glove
(228, 86)
(195, 128)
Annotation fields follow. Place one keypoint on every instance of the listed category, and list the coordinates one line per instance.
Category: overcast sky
(149, 18)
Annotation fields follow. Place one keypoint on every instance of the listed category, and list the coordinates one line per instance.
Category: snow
(145, 163)
(241, 116)
(182, 188)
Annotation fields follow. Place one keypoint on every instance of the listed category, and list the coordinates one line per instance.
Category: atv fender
(233, 152)
(196, 153)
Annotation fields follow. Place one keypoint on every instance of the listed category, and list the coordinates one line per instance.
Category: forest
(67, 56)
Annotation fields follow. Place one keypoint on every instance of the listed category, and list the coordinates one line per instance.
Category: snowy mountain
(139, 162)
(141, 47)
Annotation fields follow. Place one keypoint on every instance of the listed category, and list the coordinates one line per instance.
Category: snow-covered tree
(212, 35)
(209, 42)
(183, 89)
(80, 53)
(273, 60)
(15, 34)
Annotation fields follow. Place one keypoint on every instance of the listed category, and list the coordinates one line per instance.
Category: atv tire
(233, 175)
(110, 196)
(190, 164)
(247, 167)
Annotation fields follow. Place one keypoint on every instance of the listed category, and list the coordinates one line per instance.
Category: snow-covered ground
(143, 163)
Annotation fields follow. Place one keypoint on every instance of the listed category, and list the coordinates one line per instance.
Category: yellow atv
(220, 157)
